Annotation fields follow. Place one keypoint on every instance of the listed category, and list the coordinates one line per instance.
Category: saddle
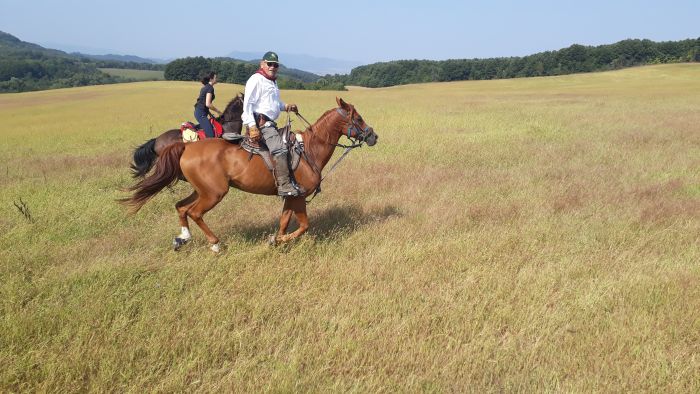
(191, 132)
(291, 140)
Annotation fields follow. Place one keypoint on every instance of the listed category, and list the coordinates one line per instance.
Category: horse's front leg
(296, 205)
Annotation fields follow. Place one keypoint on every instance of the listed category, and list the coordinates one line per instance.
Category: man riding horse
(261, 106)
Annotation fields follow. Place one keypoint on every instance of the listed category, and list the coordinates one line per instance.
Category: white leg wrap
(216, 248)
(185, 233)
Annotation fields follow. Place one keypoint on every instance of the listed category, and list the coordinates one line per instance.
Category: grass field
(516, 235)
(138, 75)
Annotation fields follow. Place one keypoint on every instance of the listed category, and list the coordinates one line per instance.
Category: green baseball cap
(271, 57)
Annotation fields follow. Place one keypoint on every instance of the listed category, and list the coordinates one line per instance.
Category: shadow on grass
(323, 225)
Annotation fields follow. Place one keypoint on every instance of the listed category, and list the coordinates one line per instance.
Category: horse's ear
(341, 103)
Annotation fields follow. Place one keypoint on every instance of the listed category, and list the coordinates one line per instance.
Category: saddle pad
(189, 135)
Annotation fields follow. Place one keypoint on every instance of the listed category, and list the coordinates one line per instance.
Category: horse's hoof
(178, 242)
(272, 241)
(216, 248)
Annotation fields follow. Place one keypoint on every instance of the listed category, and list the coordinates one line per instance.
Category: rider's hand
(254, 133)
(293, 108)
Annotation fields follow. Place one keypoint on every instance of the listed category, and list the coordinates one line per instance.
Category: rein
(348, 148)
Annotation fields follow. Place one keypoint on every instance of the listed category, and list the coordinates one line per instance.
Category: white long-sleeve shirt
(262, 96)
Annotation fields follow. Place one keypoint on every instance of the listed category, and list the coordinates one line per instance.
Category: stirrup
(298, 188)
(295, 192)
(232, 136)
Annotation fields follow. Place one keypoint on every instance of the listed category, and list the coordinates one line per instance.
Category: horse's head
(231, 118)
(356, 126)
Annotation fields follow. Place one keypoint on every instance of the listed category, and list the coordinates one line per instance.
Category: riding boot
(285, 186)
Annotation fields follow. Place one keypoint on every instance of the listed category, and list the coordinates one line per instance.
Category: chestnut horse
(146, 154)
(212, 166)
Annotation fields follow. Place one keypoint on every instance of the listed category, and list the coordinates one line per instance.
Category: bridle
(360, 133)
(356, 142)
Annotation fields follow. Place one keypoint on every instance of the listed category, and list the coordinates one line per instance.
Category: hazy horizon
(364, 33)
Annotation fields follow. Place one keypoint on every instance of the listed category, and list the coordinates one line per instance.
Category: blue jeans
(203, 120)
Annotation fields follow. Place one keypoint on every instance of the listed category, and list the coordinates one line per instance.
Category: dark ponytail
(205, 80)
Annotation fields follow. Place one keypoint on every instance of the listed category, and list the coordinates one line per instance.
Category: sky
(363, 31)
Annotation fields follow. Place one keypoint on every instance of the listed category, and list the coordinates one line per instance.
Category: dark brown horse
(212, 166)
(146, 154)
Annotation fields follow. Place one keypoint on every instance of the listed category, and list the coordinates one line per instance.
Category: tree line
(25, 67)
(574, 59)
(238, 71)
(124, 64)
(27, 74)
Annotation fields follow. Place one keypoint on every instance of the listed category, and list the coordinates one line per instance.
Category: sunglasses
(272, 64)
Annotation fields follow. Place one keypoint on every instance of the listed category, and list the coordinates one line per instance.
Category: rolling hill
(26, 66)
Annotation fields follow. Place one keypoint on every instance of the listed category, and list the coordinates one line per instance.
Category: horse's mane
(321, 124)
(322, 121)
(235, 106)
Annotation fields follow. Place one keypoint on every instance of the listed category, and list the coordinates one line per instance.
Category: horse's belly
(250, 174)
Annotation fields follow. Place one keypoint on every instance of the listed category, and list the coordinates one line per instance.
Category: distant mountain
(231, 70)
(25, 66)
(100, 53)
(68, 48)
(119, 58)
(284, 71)
(316, 65)
(12, 44)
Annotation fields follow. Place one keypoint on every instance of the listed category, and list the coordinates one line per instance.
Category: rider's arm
(210, 105)
(251, 96)
(282, 106)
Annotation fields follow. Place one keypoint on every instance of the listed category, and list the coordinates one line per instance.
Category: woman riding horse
(205, 104)
(211, 166)
(146, 154)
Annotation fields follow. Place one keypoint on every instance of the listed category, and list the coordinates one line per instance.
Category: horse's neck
(326, 133)
(230, 114)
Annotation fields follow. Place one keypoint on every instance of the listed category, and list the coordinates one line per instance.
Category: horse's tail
(167, 172)
(144, 157)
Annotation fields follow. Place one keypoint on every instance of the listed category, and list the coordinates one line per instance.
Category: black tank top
(202, 99)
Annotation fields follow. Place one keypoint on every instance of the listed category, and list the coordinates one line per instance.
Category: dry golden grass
(520, 235)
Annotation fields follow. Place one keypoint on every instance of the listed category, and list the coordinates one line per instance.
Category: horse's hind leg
(182, 207)
(296, 205)
(197, 210)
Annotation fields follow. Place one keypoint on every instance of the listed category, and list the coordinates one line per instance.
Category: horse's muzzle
(371, 137)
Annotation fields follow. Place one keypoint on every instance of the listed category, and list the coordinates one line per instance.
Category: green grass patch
(136, 75)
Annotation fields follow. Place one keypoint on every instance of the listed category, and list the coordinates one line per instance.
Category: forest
(574, 59)
(25, 66)
(238, 71)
